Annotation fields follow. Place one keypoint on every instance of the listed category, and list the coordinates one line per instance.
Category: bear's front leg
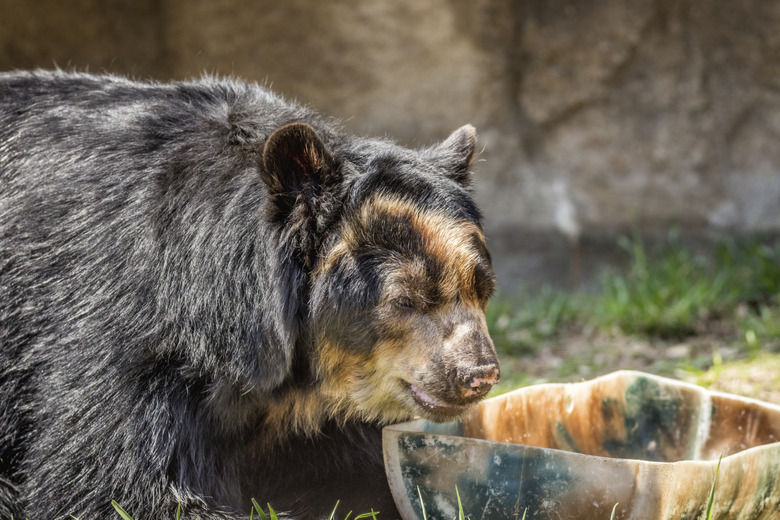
(129, 436)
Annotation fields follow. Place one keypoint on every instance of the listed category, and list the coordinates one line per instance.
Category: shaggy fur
(211, 295)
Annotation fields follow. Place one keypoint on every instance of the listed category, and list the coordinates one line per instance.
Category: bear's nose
(477, 381)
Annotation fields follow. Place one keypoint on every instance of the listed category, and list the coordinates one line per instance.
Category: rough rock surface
(594, 115)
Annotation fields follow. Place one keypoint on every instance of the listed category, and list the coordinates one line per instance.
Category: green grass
(261, 513)
(711, 498)
(677, 311)
(667, 295)
(760, 328)
(668, 291)
(373, 515)
(520, 323)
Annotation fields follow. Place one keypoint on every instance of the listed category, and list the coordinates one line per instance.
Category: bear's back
(125, 207)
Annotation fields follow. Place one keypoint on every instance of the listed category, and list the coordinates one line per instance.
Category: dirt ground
(708, 359)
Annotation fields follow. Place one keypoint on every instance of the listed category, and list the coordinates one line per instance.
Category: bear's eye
(484, 283)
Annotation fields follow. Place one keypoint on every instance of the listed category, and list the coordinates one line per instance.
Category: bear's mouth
(434, 406)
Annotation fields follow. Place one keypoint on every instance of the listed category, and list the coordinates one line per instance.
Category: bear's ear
(456, 153)
(297, 166)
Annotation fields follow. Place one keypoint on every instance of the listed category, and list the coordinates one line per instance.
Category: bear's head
(400, 278)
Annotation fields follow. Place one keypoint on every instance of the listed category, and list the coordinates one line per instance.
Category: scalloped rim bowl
(647, 443)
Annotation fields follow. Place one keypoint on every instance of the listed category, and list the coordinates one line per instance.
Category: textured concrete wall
(594, 115)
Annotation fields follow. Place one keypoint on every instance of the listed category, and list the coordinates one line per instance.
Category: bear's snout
(474, 367)
(477, 381)
(457, 374)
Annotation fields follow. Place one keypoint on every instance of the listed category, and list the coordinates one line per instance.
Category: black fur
(157, 245)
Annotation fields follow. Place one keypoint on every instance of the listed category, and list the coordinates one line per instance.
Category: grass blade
(461, 516)
(259, 510)
(333, 513)
(372, 514)
(124, 514)
(272, 512)
(711, 500)
(422, 504)
(614, 508)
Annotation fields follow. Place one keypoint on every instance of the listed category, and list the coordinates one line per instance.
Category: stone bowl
(648, 444)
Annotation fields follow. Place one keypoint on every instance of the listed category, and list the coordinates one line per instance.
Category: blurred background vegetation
(630, 175)
(712, 318)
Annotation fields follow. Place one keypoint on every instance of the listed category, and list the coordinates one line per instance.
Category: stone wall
(594, 116)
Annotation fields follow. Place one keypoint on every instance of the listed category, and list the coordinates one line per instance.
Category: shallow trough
(649, 444)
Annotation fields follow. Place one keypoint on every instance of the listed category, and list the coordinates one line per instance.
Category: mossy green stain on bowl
(652, 419)
(767, 487)
(563, 439)
(656, 422)
(494, 487)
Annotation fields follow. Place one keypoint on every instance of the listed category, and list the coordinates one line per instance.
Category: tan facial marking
(448, 241)
(363, 386)
(352, 386)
